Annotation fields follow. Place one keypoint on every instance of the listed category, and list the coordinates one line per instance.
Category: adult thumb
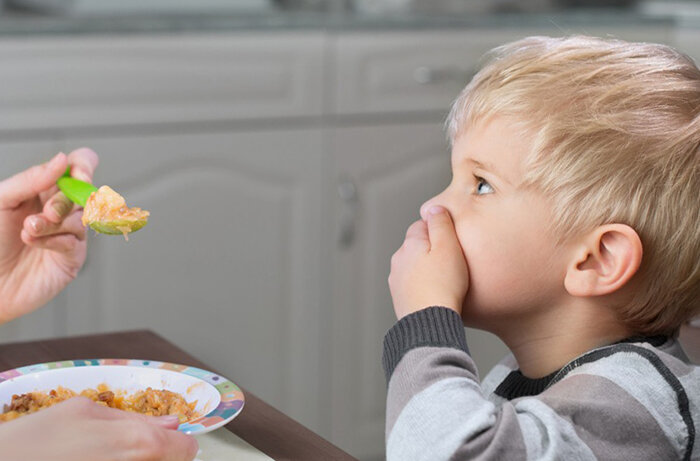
(168, 421)
(441, 230)
(31, 182)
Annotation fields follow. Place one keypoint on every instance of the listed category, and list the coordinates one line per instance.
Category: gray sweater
(634, 400)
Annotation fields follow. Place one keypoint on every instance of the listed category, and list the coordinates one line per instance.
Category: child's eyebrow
(488, 167)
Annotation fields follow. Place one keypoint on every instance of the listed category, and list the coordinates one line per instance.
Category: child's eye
(483, 187)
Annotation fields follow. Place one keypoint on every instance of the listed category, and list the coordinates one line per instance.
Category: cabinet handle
(425, 75)
(348, 196)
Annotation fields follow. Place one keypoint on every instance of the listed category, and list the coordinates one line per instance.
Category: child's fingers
(31, 182)
(441, 229)
(83, 163)
(418, 230)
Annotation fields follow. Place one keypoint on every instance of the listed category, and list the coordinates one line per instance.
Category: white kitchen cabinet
(48, 321)
(228, 267)
(687, 40)
(78, 81)
(414, 71)
(381, 176)
(421, 71)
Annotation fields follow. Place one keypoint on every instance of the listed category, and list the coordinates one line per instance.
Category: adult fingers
(38, 226)
(149, 439)
(83, 163)
(61, 243)
(31, 182)
(179, 446)
(134, 435)
(441, 230)
(167, 422)
(57, 207)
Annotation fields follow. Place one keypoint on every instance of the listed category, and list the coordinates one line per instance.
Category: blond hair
(615, 130)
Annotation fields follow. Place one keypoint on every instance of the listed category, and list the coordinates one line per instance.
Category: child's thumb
(441, 230)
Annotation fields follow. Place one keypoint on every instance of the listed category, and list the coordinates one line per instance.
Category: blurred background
(282, 147)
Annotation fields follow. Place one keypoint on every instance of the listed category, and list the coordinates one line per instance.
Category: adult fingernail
(436, 209)
(37, 224)
(55, 158)
(168, 420)
(61, 207)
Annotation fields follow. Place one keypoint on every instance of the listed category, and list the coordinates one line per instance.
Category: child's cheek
(466, 240)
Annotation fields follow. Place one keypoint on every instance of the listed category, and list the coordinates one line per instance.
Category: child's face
(515, 266)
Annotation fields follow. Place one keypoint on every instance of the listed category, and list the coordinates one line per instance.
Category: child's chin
(478, 320)
(471, 320)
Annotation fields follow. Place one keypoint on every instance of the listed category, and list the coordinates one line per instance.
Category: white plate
(218, 398)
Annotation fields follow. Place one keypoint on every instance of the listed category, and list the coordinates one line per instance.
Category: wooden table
(259, 424)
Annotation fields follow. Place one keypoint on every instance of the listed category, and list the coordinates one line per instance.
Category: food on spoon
(151, 402)
(106, 212)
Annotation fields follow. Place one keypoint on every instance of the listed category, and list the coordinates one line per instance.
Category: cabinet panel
(426, 70)
(687, 40)
(48, 321)
(405, 71)
(228, 265)
(393, 169)
(106, 80)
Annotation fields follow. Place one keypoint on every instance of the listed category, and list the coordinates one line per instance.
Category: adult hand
(42, 241)
(81, 430)
(429, 269)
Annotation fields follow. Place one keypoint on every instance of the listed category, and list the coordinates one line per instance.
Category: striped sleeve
(437, 410)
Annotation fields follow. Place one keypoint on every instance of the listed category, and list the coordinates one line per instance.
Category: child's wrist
(403, 313)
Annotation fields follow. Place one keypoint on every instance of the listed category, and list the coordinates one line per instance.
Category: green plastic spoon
(76, 190)
(79, 191)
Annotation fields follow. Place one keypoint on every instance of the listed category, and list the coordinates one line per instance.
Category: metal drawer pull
(348, 194)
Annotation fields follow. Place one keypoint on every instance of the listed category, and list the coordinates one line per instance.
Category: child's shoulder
(658, 376)
(655, 367)
(641, 360)
(634, 385)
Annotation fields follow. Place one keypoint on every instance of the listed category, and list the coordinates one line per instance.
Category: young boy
(570, 229)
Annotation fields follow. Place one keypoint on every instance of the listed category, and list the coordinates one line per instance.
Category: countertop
(20, 24)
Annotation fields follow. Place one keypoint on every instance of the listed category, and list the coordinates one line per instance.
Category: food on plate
(148, 402)
(106, 212)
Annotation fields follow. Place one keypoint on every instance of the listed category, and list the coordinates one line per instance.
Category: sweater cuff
(434, 326)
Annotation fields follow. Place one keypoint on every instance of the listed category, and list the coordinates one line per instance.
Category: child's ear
(606, 259)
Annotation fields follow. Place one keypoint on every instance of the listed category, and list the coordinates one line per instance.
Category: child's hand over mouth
(429, 269)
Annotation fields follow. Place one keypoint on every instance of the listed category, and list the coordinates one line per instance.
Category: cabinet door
(159, 78)
(49, 320)
(227, 267)
(382, 175)
(687, 40)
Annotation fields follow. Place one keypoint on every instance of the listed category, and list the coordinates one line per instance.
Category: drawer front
(426, 70)
(113, 80)
(416, 71)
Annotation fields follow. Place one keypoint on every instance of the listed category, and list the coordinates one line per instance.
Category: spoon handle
(76, 190)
